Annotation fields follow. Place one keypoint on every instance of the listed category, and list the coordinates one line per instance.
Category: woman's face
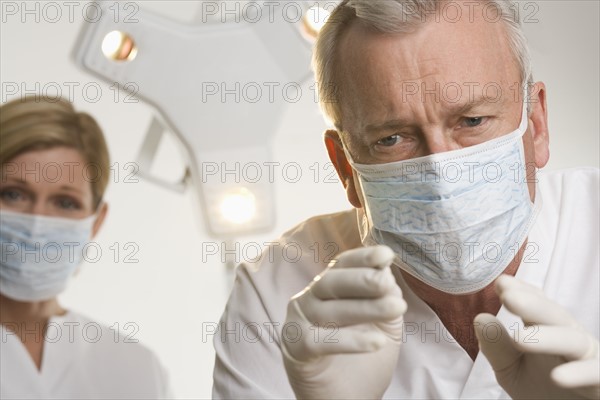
(54, 182)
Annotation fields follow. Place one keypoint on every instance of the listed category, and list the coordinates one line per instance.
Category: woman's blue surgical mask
(455, 219)
(39, 254)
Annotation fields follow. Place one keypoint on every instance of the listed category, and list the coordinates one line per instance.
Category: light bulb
(238, 206)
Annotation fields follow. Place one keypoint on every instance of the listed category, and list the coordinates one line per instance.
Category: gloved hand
(554, 358)
(358, 297)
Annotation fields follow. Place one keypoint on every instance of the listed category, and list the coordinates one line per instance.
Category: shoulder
(248, 358)
(263, 287)
(329, 234)
(569, 185)
(570, 201)
(341, 226)
(117, 344)
(108, 357)
(567, 236)
(570, 198)
(303, 251)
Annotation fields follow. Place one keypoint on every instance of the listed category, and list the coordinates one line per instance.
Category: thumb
(495, 342)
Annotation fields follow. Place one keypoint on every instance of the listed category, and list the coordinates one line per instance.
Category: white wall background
(175, 293)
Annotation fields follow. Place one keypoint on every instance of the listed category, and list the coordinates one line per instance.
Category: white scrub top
(562, 257)
(81, 360)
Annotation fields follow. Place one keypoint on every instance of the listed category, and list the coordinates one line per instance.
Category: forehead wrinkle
(362, 77)
(369, 98)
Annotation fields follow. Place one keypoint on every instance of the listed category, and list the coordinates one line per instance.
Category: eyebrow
(5, 179)
(25, 183)
(451, 108)
(458, 108)
(71, 189)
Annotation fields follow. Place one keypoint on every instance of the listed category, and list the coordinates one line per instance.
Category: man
(450, 248)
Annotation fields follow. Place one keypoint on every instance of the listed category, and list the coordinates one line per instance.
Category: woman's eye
(68, 204)
(389, 141)
(473, 121)
(11, 195)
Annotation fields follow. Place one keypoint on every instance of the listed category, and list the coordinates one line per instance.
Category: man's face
(444, 87)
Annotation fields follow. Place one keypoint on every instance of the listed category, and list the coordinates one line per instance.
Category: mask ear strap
(347, 153)
(341, 162)
(99, 206)
(348, 161)
(97, 218)
(524, 112)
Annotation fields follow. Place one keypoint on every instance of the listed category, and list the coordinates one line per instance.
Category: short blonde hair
(41, 122)
(394, 17)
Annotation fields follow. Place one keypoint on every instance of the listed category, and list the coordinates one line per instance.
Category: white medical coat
(81, 360)
(562, 257)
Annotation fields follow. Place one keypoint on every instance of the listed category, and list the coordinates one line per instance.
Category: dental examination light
(219, 87)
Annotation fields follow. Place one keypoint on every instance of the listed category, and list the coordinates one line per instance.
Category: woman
(54, 169)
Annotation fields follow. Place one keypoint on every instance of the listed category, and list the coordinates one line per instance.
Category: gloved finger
(530, 303)
(495, 342)
(372, 256)
(351, 311)
(354, 283)
(569, 342)
(577, 374)
(321, 341)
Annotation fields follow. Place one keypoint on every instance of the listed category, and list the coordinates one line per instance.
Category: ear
(333, 142)
(538, 118)
(100, 218)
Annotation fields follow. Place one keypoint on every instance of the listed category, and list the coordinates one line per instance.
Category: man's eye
(473, 121)
(389, 141)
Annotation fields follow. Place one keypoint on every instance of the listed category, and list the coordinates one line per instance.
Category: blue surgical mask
(455, 220)
(39, 254)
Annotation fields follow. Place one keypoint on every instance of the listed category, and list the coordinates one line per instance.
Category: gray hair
(395, 16)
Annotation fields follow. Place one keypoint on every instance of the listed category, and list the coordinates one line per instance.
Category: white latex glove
(356, 295)
(553, 358)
